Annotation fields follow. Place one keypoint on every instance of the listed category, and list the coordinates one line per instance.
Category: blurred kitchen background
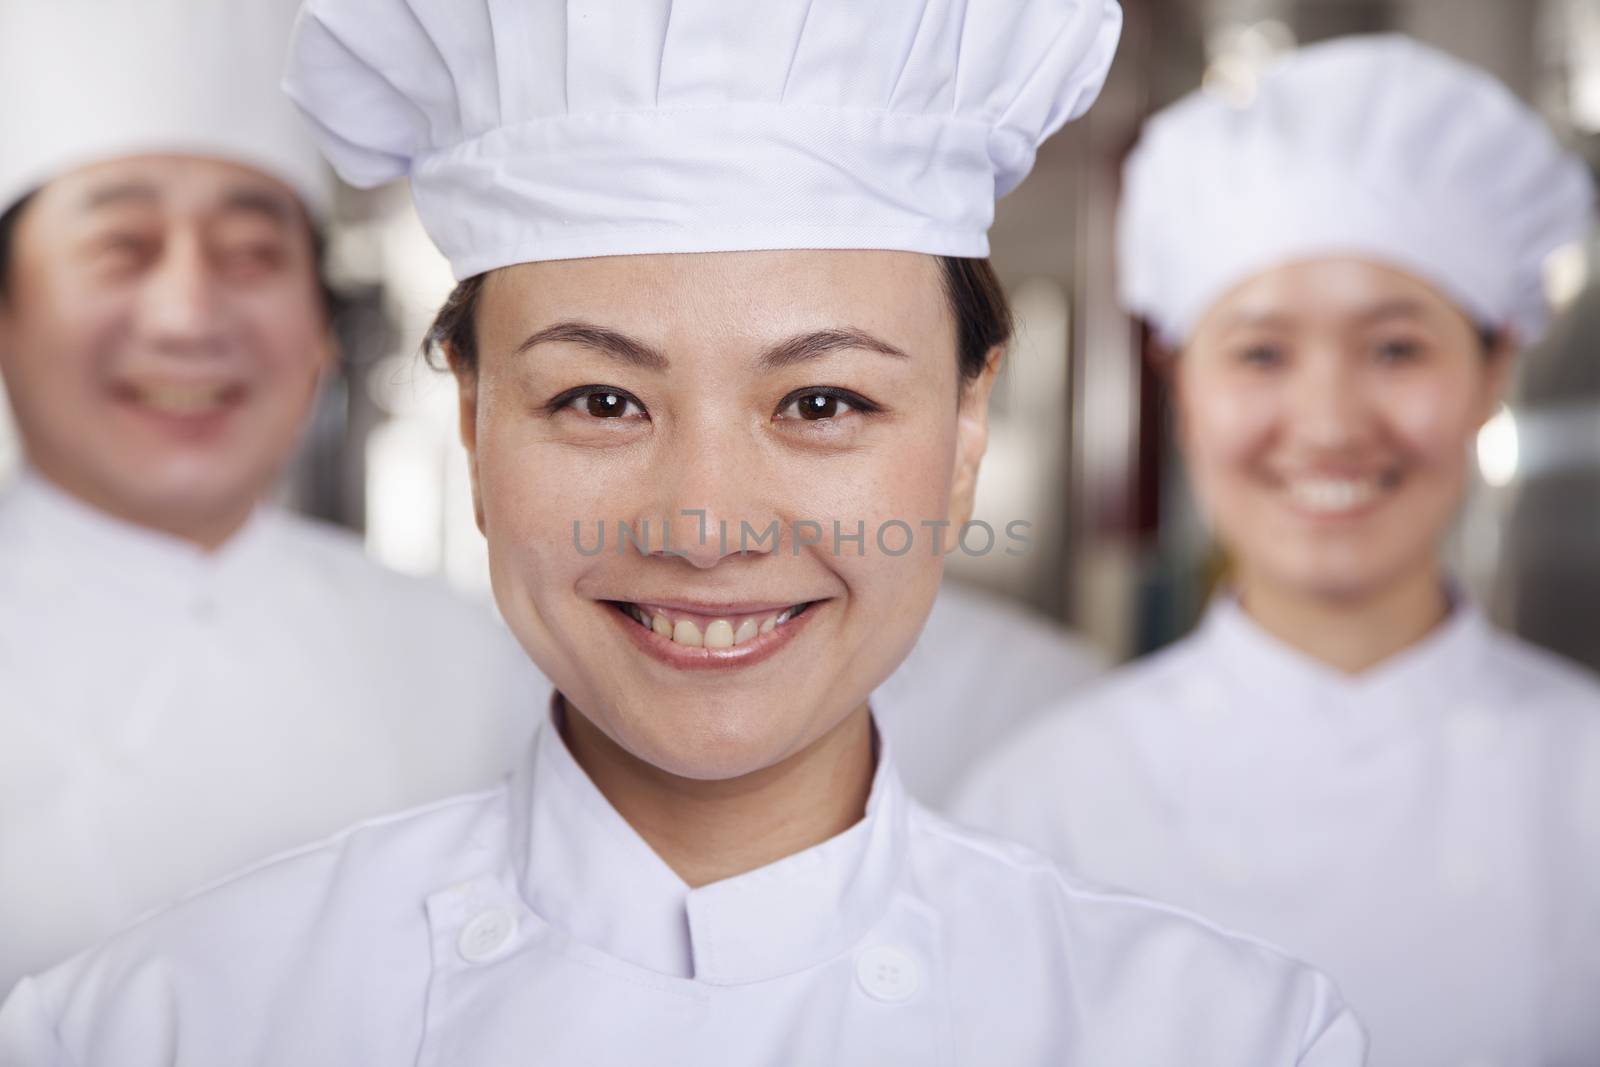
(1081, 444)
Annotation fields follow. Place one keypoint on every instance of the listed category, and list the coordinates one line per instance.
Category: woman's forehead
(1346, 289)
(748, 298)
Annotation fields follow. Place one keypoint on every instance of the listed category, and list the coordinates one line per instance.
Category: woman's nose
(1329, 406)
(710, 481)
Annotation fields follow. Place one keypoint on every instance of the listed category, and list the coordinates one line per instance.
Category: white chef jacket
(167, 716)
(530, 924)
(982, 668)
(1428, 832)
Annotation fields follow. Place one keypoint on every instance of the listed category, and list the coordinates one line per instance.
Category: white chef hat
(540, 129)
(87, 81)
(1374, 147)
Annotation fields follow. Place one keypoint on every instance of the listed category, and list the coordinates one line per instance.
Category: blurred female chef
(707, 857)
(1346, 758)
(189, 680)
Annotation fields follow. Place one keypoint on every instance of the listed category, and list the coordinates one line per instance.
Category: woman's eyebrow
(599, 339)
(791, 350)
(1265, 320)
(818, 343)
(1394, 309)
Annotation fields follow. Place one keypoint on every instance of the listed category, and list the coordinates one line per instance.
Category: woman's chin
(708, 741)
(1332, 581)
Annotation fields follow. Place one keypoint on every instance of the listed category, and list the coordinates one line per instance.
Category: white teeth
(180, 399)
(1332, 496)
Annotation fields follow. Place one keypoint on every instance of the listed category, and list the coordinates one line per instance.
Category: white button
(886, 973)
(486, 935)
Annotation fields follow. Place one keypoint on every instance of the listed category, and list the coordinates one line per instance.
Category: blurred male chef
(189, 679)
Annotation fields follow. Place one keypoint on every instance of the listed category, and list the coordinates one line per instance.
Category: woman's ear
(1164, 363)
(467, 421)
(1500, 354)
(972, 438)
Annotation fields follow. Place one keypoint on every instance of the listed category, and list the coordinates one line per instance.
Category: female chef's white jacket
(167, 716)
(1428, 833)
(530, 924)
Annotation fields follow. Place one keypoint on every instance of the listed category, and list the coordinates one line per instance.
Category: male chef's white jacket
(1428, 832)
(168, 716)
(982, 669)
(530, 924)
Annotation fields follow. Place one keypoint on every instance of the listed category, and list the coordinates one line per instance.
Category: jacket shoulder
(337, 555)
(290, 915)
(1526, 671)
(1129, 957)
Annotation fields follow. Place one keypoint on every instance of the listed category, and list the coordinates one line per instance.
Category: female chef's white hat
(1374, 147)
(87, 81)
(540, 129)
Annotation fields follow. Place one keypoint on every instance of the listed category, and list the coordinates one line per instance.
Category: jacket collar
(1285, 683)
(88, 545)
(584, 870)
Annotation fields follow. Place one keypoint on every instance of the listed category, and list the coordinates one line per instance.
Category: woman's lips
(1327, 496)
(699, 640)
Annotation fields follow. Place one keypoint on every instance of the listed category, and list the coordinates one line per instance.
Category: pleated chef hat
(541, 129)
(1373, 147)
(88, 81)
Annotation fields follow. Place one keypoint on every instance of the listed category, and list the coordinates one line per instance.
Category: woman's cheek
(517, 496)
(534, 485)
(1437, 425)
(1227, 431)
(916, 488)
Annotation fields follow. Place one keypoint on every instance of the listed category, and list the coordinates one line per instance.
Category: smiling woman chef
(707, 857)
(1346, 757)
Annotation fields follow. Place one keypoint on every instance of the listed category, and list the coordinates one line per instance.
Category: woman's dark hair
(977, 303)
(1491, 338)
(8, 233)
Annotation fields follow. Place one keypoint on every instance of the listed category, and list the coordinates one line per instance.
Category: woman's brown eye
(597, 402)
(607, 405)
(818, 406)
(1262, 356)
(1398, 351)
